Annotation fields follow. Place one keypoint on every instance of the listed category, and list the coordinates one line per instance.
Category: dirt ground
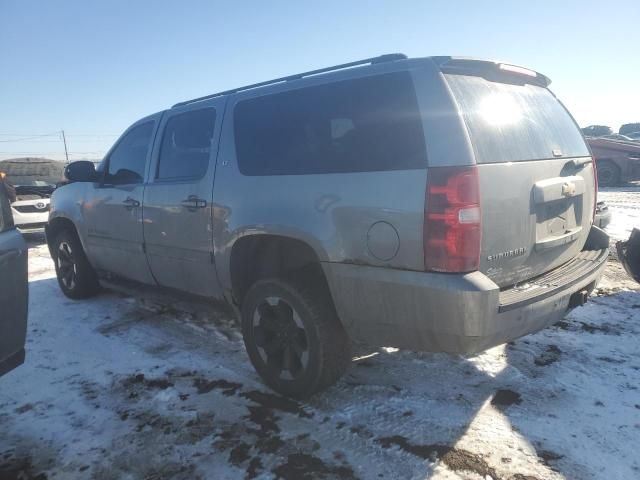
(131, 387)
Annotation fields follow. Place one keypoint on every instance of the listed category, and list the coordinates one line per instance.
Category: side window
(126, 163)
(6, 219)
(186, 145)
(361, 125)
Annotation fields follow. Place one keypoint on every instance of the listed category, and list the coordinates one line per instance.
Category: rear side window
(186, 145)
(510, 123)
(127, 162)
(361, 125)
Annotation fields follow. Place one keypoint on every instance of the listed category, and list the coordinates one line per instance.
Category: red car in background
(617, 161)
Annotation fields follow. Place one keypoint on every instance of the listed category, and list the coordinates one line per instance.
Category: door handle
(130, 203)
(193, 201)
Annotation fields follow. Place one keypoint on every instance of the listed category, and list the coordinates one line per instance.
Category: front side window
(361, 125)
(126, 164)
(186, 145)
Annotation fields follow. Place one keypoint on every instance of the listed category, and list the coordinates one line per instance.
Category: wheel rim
(605, 175)
(66, 265)
(280, 338)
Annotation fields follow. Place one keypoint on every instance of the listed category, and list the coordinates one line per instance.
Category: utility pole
(64, 140)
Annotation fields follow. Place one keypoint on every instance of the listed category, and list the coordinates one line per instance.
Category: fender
(66, 204)
(224, 247)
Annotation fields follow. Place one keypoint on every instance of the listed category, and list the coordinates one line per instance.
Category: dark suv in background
(617, 161)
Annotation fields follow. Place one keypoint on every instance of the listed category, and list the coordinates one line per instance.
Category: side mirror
(81, 171)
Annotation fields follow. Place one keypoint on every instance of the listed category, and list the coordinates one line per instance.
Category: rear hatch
(536, 177)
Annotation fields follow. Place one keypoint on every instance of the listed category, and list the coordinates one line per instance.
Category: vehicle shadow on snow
(508, 393)
(396, 414)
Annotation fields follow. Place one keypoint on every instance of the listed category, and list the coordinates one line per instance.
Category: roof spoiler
(491, 70)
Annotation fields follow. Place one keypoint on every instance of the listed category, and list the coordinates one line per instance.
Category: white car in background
(31, 209)
(34, 180)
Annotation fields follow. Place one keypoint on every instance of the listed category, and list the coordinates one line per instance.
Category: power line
(58, 133)
(32, 142)
(23, 139)
(51, 153)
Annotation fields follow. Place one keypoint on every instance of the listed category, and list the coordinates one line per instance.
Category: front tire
(608, 174)
(294, 338)
(76, 276)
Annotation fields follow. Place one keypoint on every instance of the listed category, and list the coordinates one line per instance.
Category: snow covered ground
(122, 387)
(624, 204)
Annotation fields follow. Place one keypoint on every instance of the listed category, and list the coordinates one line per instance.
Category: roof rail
(390, 57)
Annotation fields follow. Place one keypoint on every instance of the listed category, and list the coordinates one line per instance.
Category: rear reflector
(452, 220)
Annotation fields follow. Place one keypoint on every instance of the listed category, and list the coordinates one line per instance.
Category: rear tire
(608, 173)
(76, 276)
(294, 338)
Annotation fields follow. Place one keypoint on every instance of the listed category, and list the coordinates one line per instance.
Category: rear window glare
(511, 123)
(360, 125)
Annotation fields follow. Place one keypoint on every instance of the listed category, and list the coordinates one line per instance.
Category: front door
(13, 289)
(177, 213)
(113, 209)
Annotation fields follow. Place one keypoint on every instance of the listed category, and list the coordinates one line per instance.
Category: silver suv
(438, 204)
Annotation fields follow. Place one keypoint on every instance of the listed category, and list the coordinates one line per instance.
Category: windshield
(510, 123)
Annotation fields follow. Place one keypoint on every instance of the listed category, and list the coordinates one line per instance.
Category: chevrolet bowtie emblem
(569, 189)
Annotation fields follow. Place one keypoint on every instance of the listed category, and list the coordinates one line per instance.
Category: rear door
(178, 199)
(13, 289)
(535, 172)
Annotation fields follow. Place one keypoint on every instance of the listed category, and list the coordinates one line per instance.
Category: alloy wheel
(280, 338)
(66, 265)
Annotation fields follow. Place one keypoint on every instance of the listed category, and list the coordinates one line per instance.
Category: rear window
(366, 124)
(509, 123)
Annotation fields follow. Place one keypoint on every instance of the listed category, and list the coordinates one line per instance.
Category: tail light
(452, 219)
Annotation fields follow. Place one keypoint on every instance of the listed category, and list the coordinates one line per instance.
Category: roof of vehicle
(448, 64)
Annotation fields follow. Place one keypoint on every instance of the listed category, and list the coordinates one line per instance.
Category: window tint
(509, 123)
(367, 124)
(126, 163)
(186, 145)
(6, 219)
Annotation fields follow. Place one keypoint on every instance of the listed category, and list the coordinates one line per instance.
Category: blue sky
(92, 68)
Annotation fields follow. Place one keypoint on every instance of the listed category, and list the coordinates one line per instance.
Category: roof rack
(390, 57)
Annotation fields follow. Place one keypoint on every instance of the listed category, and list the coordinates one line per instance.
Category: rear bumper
(454, 313)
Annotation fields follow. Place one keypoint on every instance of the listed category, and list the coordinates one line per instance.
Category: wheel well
(257, 257)
(54, 227)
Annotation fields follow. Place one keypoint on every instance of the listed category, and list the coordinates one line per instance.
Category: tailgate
(535, 216)
(536, 175)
